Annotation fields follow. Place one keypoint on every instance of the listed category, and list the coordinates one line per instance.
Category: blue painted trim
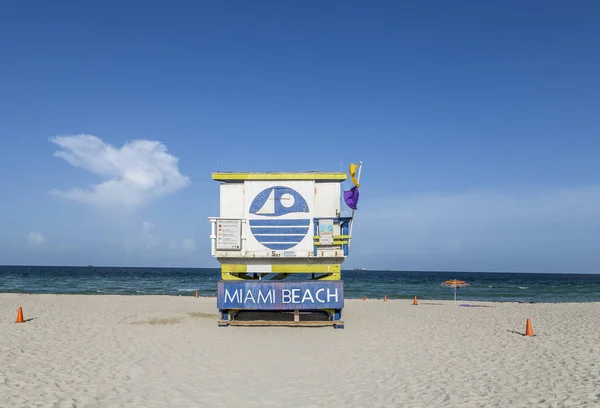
(279, 238)
(345, 232)
(283, 230)
(280, 247)
(279, 222)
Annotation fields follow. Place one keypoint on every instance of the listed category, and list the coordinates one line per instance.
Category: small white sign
(326, 232)
(229, 235)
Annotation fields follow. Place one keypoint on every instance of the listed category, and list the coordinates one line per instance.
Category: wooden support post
(337, 318)
(224, 319)
(296, 315)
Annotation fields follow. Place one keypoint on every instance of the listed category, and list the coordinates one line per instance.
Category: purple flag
(351, 197)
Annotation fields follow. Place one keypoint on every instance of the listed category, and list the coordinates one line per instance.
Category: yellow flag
(353, 168)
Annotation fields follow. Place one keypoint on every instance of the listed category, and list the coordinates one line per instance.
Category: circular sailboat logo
(280, 218)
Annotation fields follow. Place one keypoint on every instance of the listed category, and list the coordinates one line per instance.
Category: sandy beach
(161, 351)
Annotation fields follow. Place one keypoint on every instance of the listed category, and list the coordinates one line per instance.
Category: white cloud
(137, 172)
(147, 227)
(35, 239)
(189, 244)
(535, 229)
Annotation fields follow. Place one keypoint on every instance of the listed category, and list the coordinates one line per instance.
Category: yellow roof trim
(321, 176)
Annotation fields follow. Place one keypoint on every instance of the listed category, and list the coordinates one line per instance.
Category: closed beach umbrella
(454, 283)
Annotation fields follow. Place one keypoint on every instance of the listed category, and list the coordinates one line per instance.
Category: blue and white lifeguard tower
(281, 240)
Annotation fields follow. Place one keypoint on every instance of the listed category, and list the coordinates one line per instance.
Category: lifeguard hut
(281, 240)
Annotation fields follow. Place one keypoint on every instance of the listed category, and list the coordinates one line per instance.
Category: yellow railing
(337, 240)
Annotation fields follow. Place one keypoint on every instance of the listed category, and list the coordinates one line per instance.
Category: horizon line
(342, 270)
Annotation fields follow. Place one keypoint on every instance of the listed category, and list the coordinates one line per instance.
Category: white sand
(159, 351)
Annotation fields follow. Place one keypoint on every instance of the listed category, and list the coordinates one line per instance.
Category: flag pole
(352, 217)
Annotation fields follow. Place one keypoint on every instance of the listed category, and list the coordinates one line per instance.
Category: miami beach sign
(280, 295)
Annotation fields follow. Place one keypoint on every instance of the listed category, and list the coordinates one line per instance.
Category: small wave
(523, 287)
(186, 290)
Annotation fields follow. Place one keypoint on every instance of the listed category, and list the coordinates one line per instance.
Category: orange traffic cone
(196, 293)
(415, 302)
(20, 316)
(385, 298)
(213, 295)
(528, 329)
(364, 298)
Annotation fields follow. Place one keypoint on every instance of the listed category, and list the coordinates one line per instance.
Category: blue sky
(477, 124)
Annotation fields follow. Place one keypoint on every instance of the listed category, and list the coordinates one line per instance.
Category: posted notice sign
(280, 295)
(326, 232)
(229, 235)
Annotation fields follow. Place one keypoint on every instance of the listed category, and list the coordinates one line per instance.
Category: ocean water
(512, 287)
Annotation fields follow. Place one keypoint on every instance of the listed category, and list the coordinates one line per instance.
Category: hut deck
(279, 323)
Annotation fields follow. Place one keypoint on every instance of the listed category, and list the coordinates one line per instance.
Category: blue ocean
(511, 287)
